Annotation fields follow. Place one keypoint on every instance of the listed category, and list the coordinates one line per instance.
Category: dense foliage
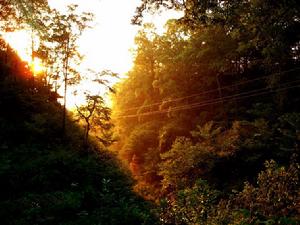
(275, 200)
(213, 98)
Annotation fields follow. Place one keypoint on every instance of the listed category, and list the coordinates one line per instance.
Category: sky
(108, 44)
(105, 46)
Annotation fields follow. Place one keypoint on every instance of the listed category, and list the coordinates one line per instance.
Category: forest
(203, 129)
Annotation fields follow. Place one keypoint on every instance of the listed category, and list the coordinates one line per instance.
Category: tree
(96, 117)
(266, 33)
(95, 113)
(273, 200)
(16, 14)
(58, 35)
(62, 37)
(190, 205)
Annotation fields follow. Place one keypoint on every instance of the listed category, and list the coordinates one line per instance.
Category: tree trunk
(65, 89)
(86, 136)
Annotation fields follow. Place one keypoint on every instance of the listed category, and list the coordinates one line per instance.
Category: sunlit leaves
(275, 197)
(274, 200)
(192, 158)
(191, 205)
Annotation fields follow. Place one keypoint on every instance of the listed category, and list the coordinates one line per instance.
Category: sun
(21, 41)
(37, 66)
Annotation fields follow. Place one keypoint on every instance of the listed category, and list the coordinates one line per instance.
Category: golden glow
(37, 66)
(20, 41)
(106, 46)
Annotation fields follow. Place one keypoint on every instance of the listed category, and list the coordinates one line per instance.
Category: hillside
(48, 178)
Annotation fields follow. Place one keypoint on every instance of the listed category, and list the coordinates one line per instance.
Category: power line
(187, 107)
(209, 91)
(240, 96)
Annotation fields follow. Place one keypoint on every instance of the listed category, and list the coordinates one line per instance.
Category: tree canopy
(211, 99)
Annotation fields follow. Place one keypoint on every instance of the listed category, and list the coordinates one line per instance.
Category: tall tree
(62, 37)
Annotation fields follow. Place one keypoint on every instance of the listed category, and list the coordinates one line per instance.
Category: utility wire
(209, 91)
(240, 96)
(230, 99)
(187, 107)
